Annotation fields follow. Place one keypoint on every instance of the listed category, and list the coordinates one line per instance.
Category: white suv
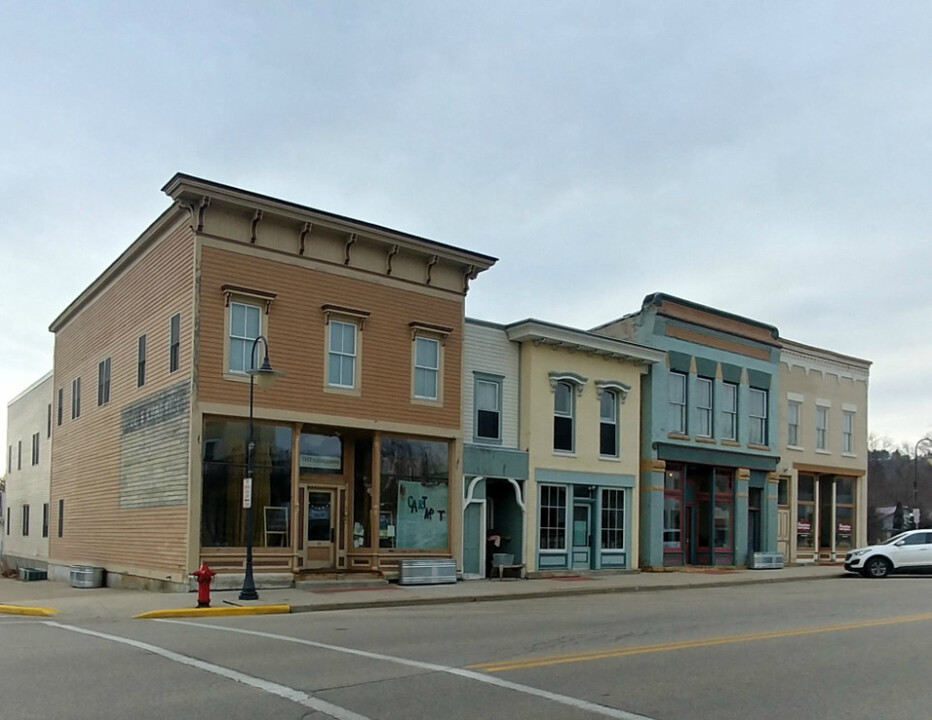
(908, 551)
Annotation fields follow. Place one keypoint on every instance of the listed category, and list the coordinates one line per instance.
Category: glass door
(320, 521)
(582, 535)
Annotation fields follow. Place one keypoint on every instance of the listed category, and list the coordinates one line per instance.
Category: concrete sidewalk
(17, 597)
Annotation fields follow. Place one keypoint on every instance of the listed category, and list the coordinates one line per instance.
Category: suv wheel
(877, 567)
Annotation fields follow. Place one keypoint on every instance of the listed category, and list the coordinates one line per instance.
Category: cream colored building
(579, 421)
(26, 502)
(822, 496)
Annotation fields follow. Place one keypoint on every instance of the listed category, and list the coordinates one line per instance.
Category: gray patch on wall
(154, 449)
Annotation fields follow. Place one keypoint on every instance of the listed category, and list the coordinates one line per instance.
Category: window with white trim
(792, 424)
(677, 393)
(426, 368)
(821, 427)
(35, 448)
(341, 356)
(757, 415)
(704, 407)
(847, 432)
(608, 423)
(564, 412)
(245, 327)
(488, 417)
(729, 411)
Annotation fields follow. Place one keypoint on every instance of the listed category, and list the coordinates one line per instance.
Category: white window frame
(423, 370)
(730, 429)
(847, 432)
(615, 406)
(565, 413)
(545, 491)
(496, 383)
(704, 407)
(246, 339)
(341, 354)
(792, 423)
(821, 427)
(35, 449)
(623, 494)
(757, 430)
(677, 408)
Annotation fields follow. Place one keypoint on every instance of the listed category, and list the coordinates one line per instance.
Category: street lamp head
(264, 374)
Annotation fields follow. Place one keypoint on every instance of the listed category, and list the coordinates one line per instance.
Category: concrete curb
(215, 612)
(537, 594)
(27, 610)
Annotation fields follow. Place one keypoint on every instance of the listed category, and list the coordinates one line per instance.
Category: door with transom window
(320, 523)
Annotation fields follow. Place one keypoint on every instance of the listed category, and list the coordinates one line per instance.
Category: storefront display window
(613, 519)
(414, 506)
(805, 513)
(223, 518)
(672, 512)
(552, 517)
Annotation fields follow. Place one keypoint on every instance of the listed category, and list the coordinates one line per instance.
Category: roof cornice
(544, 333)
(194, 193)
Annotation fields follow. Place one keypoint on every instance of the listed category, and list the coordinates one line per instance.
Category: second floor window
(704, 406)
(821, 427)
(847, 432)
(76, 398)
(608, 424)
(174, 343)
(103, 382)
(245, 327)
(342, 354)
(35, 448)
(792, 424)
(758, 417)
(426, 368)
(141, 361)
(563, 413)
(677, 383)
(729, 411)
(488, 410)
(61, 404)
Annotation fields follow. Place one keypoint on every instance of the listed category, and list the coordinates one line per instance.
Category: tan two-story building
(356, 445)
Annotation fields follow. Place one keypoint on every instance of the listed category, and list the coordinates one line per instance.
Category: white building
(26, 502)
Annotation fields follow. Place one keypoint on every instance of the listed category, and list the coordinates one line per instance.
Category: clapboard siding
(88, 452)
(487, 349)
(296, 335)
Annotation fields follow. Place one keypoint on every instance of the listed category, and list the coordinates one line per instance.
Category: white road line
(283, 691)
(459, 672)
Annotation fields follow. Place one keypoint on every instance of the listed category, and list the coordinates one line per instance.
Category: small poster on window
(422, 515)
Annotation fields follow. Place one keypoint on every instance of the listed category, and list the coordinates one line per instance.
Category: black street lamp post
(263, 375)
(916, 470)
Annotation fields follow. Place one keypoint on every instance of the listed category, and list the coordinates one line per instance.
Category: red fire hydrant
(203, 575)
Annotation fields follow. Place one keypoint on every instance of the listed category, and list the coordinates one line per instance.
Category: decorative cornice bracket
(431, 261)
(389, 257)
(255, 224)
(349, 246)
(302, 238)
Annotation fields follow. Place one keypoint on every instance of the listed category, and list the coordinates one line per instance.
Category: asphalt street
(837, 648)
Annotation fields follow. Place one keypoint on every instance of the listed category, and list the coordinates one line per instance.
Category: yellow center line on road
(541, 661)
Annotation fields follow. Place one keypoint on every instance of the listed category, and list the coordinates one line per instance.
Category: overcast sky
(768, 159)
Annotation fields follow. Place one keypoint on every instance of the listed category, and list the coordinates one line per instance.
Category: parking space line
(283, 691)
(577, 703)
(545, 660)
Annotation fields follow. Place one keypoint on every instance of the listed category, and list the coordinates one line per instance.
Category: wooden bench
(522, 574)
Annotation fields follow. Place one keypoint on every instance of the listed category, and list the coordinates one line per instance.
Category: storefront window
(223, 518)
(362, 495)
(320, 454)
(613, 519)
(844, 526)
(552, 517)
(672, 512)
(414, 506)
(722, 523)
